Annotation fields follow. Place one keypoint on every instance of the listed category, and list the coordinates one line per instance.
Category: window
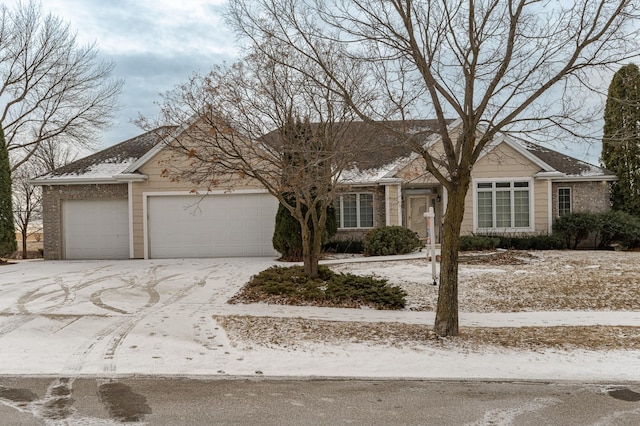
(355, 211)
(564, 201)
(503, 204)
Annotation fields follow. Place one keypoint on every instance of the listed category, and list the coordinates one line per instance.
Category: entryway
(417, 205)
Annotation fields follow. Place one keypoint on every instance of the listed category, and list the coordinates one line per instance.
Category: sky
(154, 44)
(158, 44)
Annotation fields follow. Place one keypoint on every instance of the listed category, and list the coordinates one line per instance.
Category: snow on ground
(163, 317)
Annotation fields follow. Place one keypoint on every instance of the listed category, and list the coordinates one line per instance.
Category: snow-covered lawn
(551, 315)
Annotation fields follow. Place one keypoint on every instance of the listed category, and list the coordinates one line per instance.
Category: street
(183, 401)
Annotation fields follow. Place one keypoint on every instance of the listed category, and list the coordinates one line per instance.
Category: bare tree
(27, 198)
(260, 120)
(27, 203)
(495, 65)
(51, 89)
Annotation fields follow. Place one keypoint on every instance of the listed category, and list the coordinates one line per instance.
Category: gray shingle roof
(114, 159)
(381, 148)
(563, 163)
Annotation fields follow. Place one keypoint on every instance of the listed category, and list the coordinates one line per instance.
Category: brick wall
(586, 197)
(52, 198)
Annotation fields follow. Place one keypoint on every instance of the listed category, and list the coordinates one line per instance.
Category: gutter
(113, 180)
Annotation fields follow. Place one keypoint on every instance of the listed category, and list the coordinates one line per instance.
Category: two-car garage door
(183, 226)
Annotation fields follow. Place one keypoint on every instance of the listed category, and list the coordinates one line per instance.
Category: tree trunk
(24, 244)
(309, 258)
(446, 323)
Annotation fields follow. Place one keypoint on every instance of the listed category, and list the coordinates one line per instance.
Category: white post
(430, 215)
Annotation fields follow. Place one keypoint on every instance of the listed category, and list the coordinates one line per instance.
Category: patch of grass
(290, 286)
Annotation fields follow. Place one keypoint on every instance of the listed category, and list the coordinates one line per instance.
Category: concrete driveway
(156, 317)
(118, 317)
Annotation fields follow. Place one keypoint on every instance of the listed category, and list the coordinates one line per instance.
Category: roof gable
(109, 162)
(563, 163)
(385, 153)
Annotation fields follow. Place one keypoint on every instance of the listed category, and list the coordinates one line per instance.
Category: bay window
(503, 205)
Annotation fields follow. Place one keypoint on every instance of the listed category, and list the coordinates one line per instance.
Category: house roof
(381, 157)
(110, 162)
(569, 166)
(383, 150)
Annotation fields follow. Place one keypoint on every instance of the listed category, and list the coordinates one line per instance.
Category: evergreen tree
(287, 235)
(8, 242)
(621, 140)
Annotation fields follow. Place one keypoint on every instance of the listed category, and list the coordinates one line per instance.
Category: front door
(417, 206)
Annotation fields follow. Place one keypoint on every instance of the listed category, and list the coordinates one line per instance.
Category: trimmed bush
(291, 285)
(390, 240)
(344, 246)
(575, 227)
(617, 227)
(513, 242)
(478, 242)
(607, 228)
(531, 242)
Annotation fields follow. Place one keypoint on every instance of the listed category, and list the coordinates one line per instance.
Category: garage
(95, 229)
(222, 225)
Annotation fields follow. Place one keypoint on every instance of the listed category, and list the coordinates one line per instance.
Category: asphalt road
(181, 401)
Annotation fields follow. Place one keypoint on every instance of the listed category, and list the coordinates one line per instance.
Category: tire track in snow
(14, 323)
(109, 365)
(68, 293)
(115, 333)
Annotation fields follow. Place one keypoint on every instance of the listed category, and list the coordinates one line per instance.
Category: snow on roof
(563, 163)
(355, 175)
(111, 161)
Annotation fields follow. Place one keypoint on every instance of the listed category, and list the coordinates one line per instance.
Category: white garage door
(96, 229)
(211, 226)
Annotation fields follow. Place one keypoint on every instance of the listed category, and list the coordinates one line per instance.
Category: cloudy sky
(155, 45)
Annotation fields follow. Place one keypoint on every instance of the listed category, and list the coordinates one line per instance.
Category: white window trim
(341, 209)
(532, 218)
(570, 199)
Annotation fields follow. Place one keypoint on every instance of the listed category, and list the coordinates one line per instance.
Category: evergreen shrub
(344, 246)
(478, 242)
(328, 289)
(575, 228)
(390, 240)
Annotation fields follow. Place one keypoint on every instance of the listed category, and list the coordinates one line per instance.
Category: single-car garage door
(96, 229)
(211, 226)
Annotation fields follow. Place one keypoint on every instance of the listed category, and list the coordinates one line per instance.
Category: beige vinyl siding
(392, 193)
(467, 222)
(156, 183)
(503, 162)
(541, 205)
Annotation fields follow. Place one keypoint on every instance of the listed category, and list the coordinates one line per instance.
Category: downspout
(130, 194)
(400, 204)
(550, 206)
(387, 207)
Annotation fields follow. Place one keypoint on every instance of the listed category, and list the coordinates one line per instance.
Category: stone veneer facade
(52, 199)
(586, 197)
